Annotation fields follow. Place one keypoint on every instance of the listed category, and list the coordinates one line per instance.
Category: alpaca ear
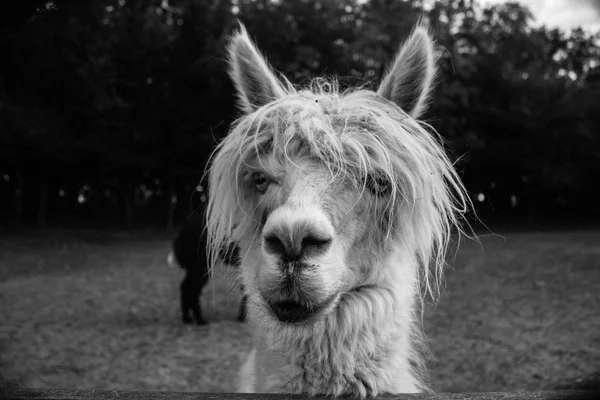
(254, 80)
(409, 81)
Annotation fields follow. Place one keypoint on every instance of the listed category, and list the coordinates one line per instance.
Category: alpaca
(189, 253)
(344, 206)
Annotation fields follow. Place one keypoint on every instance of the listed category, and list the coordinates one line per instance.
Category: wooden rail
(55, 394)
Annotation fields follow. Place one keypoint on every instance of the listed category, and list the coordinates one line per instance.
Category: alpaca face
(312, 230)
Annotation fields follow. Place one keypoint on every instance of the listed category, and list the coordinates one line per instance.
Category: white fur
(354, 168)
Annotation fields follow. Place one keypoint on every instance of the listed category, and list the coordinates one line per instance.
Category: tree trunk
(172, 205)
(129, 203)
(43, 205)
(19, 199)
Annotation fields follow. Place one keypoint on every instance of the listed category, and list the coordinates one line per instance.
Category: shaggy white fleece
(343, 205)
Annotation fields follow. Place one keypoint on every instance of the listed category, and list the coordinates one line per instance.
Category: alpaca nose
(296, 241)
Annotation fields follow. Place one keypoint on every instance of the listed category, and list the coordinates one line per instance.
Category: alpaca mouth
(291, 311)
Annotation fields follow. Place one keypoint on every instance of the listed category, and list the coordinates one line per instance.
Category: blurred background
(109, 111)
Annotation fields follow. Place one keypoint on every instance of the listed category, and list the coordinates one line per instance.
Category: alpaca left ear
(409, 81)
(254, 80)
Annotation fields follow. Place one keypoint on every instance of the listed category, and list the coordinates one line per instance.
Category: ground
(97, 311)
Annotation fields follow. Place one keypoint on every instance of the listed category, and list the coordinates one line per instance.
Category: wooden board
(55, 394)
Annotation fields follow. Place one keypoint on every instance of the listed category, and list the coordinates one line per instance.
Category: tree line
(109, 109)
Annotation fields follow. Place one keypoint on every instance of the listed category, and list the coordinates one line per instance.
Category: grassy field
(101, 312)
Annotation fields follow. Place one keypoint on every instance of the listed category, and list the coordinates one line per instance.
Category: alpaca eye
(261, 181)
(378, 185)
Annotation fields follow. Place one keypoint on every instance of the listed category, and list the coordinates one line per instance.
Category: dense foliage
(110, 108)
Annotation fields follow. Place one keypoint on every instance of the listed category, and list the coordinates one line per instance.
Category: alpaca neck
(361, 348)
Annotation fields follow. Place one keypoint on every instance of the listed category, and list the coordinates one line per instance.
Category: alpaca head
(321, 188)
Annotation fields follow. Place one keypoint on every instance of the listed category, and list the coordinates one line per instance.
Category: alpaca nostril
(274, 245)
(315, 245)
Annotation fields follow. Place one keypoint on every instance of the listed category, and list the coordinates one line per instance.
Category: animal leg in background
(190, 292)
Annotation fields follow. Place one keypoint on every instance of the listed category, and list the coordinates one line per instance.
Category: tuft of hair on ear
(410, 79)
(253, 77)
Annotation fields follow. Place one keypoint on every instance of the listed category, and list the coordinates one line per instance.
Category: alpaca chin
(297, 300)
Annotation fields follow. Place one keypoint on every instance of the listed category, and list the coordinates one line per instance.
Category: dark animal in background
(189, 252)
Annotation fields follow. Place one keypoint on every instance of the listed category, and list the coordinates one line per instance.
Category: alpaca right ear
(409, 81)
(254, 80)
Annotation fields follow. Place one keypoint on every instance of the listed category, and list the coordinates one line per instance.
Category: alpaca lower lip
(291, 311)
